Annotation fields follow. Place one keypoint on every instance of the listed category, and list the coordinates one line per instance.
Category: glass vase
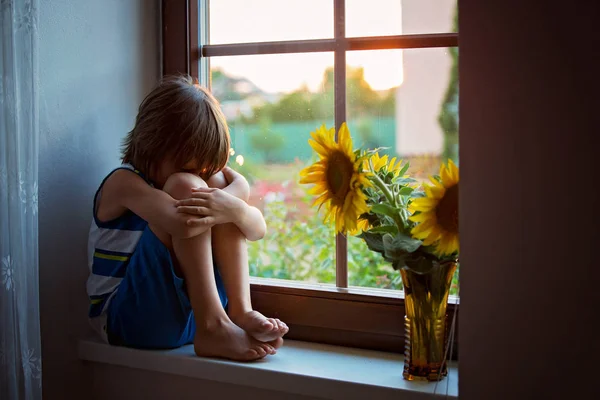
(426, 322)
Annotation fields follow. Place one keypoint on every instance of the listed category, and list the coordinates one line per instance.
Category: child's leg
(216, 335)
(231, 254)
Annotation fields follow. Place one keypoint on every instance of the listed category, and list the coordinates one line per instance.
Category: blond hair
(181, 120)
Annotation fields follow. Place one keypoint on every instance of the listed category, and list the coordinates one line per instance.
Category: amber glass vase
(425, 322)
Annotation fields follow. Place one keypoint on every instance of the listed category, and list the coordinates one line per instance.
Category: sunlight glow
(235, 21)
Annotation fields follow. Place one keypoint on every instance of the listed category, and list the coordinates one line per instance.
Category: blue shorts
(151, 308)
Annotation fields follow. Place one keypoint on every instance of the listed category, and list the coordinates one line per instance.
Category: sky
(238, 21)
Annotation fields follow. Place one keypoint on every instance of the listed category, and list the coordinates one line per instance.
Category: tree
(303, 105)
(448, 118)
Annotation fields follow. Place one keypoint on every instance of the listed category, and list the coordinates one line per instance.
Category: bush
(303, 249)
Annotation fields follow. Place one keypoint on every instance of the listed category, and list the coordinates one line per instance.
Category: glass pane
(406, 100)
(399, 17)
(244, 21)
(272, 103)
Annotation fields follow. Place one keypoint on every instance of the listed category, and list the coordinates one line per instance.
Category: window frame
(355, 317)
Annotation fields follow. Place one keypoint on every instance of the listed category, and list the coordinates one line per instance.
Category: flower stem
(382, 186)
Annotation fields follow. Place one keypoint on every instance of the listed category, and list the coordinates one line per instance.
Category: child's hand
(215, 205)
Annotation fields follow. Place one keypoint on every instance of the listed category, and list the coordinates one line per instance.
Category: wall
(528, 209)
(426, 76)
(97, 59)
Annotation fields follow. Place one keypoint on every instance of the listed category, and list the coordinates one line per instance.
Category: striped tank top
(110, 246)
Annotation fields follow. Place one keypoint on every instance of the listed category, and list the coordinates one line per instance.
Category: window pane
(244, 21)
(272, 103)
(406, 100)
(399, 17)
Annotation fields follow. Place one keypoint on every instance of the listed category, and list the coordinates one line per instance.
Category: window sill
(300, 368)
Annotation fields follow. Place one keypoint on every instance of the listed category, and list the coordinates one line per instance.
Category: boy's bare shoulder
(117, 187)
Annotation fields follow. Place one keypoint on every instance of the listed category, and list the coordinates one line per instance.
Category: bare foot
(277, 343)
(224, 339)
(260, 327)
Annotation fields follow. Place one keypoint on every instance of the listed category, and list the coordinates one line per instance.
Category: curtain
(20, 344)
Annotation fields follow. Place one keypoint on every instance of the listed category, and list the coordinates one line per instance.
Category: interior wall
(97, 60)
(528, 209)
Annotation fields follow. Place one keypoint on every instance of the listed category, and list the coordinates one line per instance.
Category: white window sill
(300, 368)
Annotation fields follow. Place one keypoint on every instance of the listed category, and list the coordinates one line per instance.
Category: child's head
(179, 127)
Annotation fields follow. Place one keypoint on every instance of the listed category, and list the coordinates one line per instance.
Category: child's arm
(127, 190)
(250, 220)
(227, 205)
(223, 207)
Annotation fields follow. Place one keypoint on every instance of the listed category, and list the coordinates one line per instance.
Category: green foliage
(303, 249)
(304, 105)
(390, 233)
(297, 133)
(267, 141)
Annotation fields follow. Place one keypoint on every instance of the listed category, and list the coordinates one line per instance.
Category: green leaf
(406, 191)
(417, 193)
(370, 152)
(385, 209)
(399, 246)
(393, 229)
(326, 264)
(404, 169)
(374, 241)
(421, 265)
(404, 181)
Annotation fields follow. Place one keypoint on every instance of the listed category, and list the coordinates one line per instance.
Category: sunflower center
(447, 210)
(339, 173)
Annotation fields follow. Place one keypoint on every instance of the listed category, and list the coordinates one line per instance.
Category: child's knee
(218, 181)
(180, 185)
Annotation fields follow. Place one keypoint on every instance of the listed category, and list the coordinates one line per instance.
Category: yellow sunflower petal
(434, 192)
(424, 204)
(344, 139)
(444, 247)
(452, 171)
(311, 178)
(437, 183)
(319, 201)
(445, 175)
(423, 227)
(422, 217)
(318, 189)
(321, 149)
(431, 239)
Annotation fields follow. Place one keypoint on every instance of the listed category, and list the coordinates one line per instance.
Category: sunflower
(438, 212)
(394, 165)
(338, 179)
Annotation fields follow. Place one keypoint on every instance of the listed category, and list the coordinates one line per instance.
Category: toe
(260, 350)
(268, 348)
(277, 343)
(282, 327)
(268, 325)
(252, 354)
(274, 324)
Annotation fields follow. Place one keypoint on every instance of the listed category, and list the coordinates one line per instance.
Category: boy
(168, 255)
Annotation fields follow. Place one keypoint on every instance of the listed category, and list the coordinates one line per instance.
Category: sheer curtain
(20, 347)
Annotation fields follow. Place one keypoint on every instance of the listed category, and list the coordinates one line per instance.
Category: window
(281, 69)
